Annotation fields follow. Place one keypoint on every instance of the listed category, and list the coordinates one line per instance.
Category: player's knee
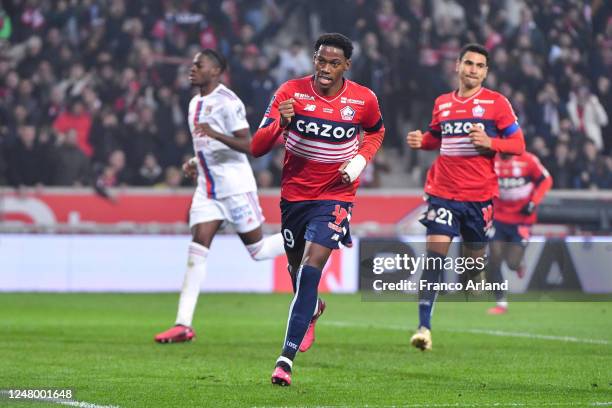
(202, 236)
(317, 257)
(267, 248)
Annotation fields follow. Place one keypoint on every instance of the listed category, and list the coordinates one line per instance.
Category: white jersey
(222, 171)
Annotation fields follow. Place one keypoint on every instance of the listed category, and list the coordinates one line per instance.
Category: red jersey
(461, 172)
(521, 179)
(323, 134)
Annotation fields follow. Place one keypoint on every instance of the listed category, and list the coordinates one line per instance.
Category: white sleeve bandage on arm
(355, 166)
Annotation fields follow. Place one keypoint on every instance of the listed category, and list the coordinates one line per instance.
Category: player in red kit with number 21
(470, 126)
(321, 118)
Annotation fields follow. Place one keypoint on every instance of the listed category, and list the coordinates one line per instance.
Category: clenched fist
(479, 138)
(415, 139)
(285, 108)
(190, 168)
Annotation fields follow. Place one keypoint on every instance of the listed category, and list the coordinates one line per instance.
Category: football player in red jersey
(321, 118)
(469, 126)
(523, 182)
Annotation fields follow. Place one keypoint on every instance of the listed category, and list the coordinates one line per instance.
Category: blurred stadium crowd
(96, 91)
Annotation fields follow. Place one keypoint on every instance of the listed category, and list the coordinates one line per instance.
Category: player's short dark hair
(473, 47)
(215, 57)
(336, 40)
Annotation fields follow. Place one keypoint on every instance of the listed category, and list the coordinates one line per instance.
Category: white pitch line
(533, 336)
(72, 403)
(79, 404)
(470, 405)
(498, 333)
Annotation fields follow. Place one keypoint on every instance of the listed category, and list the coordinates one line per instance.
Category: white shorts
(241, 210)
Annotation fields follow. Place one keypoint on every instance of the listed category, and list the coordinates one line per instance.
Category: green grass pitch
(101, 346)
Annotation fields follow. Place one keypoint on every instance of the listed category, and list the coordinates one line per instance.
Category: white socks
(267, 248)
(194, 276)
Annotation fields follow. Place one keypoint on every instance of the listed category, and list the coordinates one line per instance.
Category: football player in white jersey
(226, 190)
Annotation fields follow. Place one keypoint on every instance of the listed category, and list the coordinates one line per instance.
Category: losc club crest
(478, 111)
(347, 113)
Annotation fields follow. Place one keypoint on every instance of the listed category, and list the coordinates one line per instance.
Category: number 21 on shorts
(444, 216)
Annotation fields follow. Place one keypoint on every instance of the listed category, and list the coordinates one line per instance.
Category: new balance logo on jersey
(310, 107)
